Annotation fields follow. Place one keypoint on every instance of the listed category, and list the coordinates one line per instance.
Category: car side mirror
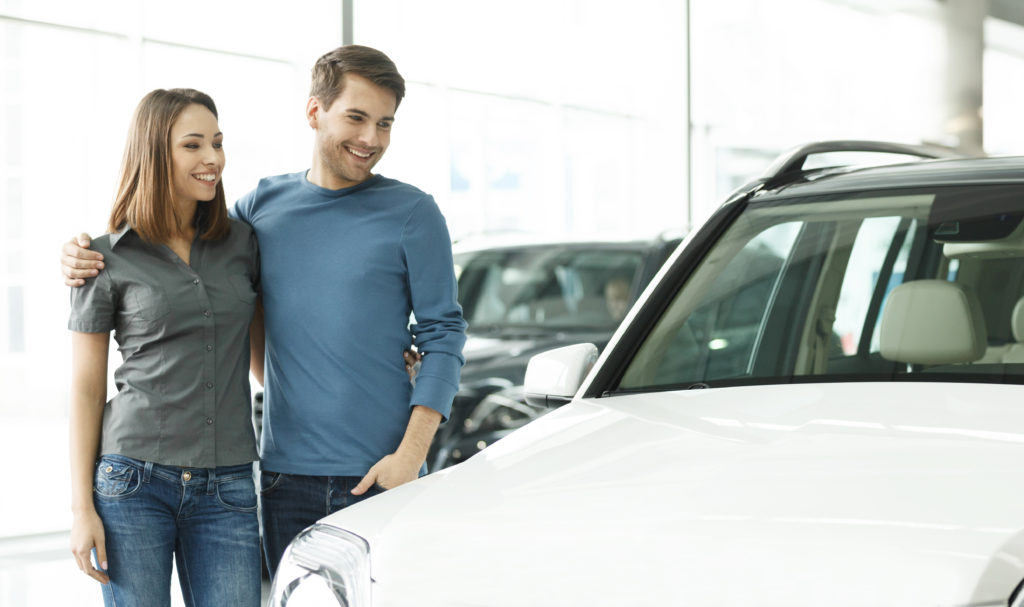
(553, 377)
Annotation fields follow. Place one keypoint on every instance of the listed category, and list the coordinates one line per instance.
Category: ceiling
(1007, 10)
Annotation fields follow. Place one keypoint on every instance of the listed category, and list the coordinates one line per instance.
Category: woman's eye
(218, 145)
(192, 146)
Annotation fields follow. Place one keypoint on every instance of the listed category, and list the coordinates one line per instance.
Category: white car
(817, 401)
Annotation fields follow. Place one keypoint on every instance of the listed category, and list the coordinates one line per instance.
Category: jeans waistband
(183, 474)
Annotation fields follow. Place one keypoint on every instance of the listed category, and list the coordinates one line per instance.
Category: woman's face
(197, 155)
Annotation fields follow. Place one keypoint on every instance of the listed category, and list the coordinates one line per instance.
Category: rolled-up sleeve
(93, 306)
(439, 331)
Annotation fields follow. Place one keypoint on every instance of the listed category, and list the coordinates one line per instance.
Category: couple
(164, 469)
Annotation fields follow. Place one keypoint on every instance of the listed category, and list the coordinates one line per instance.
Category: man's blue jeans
(204, 518)
(291, 502)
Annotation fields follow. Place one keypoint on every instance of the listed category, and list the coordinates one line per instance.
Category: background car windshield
(546, 287)
(798, 290)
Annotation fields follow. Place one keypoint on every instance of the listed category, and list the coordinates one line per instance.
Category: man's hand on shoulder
(77, 262)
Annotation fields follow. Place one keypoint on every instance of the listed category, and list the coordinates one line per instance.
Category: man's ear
(313, 112)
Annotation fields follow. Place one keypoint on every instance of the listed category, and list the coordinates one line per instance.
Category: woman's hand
(86, 534)
(412, 363)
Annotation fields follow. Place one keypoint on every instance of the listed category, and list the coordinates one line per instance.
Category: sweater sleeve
(242, 209)
(439, 331)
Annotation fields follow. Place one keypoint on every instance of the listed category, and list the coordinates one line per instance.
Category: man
(346, 256)
(616, 297)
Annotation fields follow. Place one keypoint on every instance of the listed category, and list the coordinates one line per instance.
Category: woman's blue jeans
(205, 518)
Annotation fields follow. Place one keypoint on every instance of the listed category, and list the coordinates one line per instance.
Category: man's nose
(368, 135)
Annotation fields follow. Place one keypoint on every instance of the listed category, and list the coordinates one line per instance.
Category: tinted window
(554, 287)
(800, 288)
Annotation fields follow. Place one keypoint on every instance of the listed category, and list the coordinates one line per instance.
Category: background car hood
(505, 353)
(814, 494)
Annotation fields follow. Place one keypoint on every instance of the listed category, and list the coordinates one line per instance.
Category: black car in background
(523, 298)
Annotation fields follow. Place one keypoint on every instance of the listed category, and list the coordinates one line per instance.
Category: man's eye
(384, 125)
(218, 145)
(356, 118)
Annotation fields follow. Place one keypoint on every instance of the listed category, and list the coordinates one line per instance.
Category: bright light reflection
(870, 523)
(1006, 437)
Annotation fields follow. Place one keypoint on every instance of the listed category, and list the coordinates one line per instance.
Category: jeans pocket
(237, 494)
(270, 481)
(116, 479)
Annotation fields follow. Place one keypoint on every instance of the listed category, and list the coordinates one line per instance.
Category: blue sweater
(341, 272)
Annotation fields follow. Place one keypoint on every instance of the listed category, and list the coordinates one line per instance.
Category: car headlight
(323, 566)
(502, 410)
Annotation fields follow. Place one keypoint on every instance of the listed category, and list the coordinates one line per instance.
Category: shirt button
(209, 348)
(206, 313)
(195, 281)
(186, 476)
(209, 421)
(209, 385)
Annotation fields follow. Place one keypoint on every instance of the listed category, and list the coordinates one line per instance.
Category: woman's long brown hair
(144, 199)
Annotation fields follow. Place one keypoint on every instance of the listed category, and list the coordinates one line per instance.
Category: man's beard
(335, 155)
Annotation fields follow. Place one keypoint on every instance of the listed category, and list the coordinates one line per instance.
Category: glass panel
(874, 238)
(717, 339)
(16, 319)
(791, 288)
(546, 288)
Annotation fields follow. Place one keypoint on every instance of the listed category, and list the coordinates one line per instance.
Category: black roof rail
(792, 161)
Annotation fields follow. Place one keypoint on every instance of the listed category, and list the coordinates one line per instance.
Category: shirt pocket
(243, 288)
(151, 303)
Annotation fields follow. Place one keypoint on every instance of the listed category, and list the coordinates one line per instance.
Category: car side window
(854, 316)
(547, 288)
(863, 286)
(718, 338)
(788, 291)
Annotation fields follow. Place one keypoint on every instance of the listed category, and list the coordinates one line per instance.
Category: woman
(176, 443)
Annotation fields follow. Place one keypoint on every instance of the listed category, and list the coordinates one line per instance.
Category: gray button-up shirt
(183, 333)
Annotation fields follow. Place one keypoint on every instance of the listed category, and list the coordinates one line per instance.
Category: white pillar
(965, 51)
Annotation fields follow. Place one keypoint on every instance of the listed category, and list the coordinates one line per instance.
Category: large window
(546, 116)
(70, 75)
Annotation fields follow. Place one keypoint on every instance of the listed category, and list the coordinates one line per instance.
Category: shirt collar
(116, 236)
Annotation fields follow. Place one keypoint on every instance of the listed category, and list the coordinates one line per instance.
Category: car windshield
(545, 288)
(901, 285)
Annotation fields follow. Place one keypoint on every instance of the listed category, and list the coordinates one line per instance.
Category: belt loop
(147, 472)
(211, 480)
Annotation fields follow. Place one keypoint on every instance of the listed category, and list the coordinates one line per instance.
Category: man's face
(616, 295)
(352, 135)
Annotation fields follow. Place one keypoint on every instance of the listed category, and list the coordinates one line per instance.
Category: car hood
(504, 354)
(813, 494)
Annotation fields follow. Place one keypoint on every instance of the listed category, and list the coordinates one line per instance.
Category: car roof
(925, 173)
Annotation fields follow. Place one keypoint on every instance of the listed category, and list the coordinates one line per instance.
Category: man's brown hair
(144, 200)
(363, 61)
